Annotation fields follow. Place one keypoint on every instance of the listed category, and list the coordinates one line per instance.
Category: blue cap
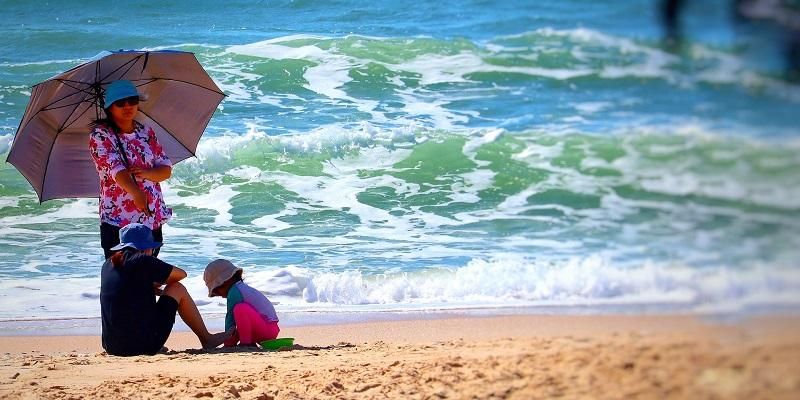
(138, 236)
(118, 90)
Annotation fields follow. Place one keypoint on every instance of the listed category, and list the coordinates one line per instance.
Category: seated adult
(134, 323)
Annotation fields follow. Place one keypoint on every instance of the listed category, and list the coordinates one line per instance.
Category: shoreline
(418, 327)
(514, 356)
(90, 326)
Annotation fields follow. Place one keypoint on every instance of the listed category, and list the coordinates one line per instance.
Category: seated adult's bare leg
(189, 313)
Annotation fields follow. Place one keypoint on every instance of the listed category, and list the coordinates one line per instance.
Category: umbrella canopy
(51, 146)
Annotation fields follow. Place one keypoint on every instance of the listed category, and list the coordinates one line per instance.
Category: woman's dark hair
(119, 257)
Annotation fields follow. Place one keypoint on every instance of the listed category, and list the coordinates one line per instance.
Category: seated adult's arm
(159, 272)
(175, 275)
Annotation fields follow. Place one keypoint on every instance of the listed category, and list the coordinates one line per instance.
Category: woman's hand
(140, 201)
(126, 181)
(140, 173)
(158, 173)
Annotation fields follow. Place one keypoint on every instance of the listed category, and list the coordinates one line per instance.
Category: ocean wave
(577, 281)
(680, 162)
(589, 281)
(679, 166)
(5, 143)
(419, 199)
(338, 63)
(40, 63)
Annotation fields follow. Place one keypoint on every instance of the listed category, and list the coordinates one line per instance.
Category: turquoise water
(402, 157)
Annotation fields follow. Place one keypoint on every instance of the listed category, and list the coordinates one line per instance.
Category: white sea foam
(9, 202)
(204, 243)
(591, 107)
(436, 69)
(273, 49)
(280, 100)
(218, 199)
(482, 138)
(327, 77)
(272, 223)
(490, 282)
(45, 62)
(72, 209)
(238, 91)
(655, 61)
(588, 281)
(430, 107)
(338, 190)
(5, 143)
(467, 191)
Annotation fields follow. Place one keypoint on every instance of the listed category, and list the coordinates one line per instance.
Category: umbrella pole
(121, 150)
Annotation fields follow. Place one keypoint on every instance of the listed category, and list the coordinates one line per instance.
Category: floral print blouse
(142, 150)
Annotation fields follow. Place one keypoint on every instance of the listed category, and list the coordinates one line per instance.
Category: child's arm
(234, 298)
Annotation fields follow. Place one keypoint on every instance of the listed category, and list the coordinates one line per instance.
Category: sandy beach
(514, 357)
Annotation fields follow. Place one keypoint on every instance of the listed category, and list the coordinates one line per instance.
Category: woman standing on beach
(134, 323)
(131, 164)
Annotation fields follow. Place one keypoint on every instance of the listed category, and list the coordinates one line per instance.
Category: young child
(248, 309)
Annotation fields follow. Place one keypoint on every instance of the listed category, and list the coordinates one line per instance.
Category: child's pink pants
(251, 327)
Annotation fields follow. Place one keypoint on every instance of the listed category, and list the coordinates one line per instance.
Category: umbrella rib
(46, 166)
(131, 64)
(39, 195)
(21, 127)
(67, 82)
(50, 153)
(79, 90)
(58, 132)
(52, 145)
(67, 123)
(186, 82)
(167, 130)
(128, 63)
(148, 81)
(63, 80)
(65, 105)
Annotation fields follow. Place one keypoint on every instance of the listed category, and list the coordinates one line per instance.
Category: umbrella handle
(121, 149)
(147, 203)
